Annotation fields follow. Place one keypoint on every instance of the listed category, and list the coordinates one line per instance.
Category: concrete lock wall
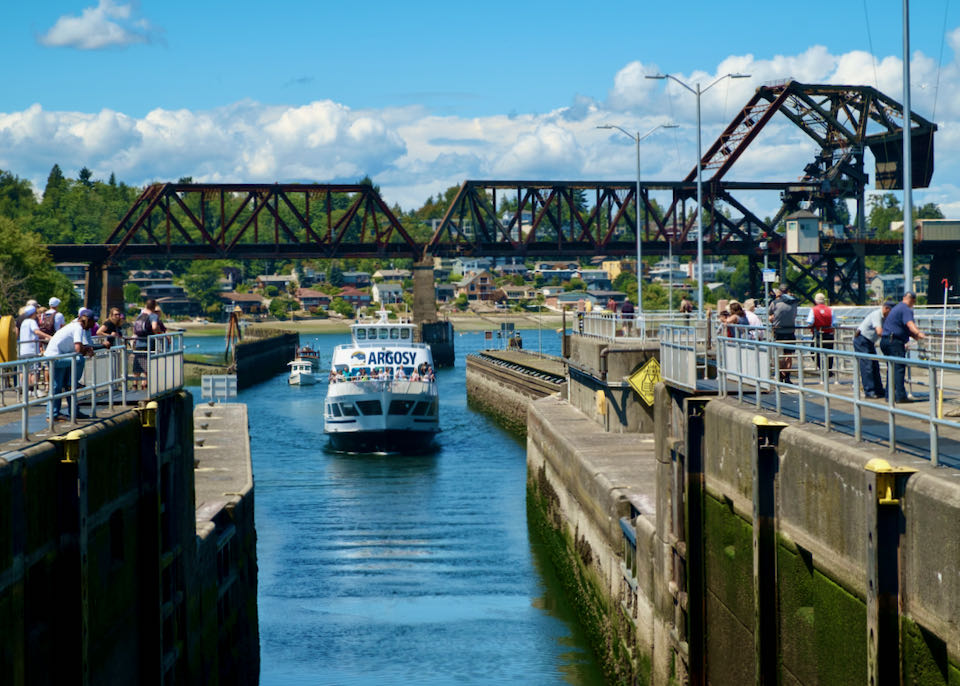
(99, 559)
(580, 482)
(598, 366)
(500, 395)
(263, 354)
(765, 552)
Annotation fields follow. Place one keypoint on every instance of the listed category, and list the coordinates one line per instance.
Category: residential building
(162, 290)
(310, 299)
(77, 273)
(477, 286)
(149, 277)
(356, 279)
(280, 281)
(512, 269)
(517, 293)
(596, 279)
(392, 274)
(387, 293)
(444, 292)
(559, 274)
(249, 303)
(553, 266)
(887, 287)
(354, 296)
(466, 265)
(175, 306)
(614, 268)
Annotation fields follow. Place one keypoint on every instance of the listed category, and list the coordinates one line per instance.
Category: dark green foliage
(202, 282)
(26, 271)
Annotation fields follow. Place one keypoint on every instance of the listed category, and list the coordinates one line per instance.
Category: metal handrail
(637, 326)
(23, 370)
(731, 350)
(106, 373)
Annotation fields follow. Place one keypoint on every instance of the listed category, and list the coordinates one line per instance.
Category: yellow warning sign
(645, 379)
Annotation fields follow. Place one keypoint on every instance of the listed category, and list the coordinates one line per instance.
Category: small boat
(308, 353)
(301, 373)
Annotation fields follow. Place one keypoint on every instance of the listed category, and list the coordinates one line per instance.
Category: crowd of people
(422, 373)
(887, 329)
(44, 333)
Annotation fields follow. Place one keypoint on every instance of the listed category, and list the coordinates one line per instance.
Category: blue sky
(423, 95)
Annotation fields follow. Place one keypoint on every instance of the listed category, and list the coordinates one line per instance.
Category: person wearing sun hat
(58, 320)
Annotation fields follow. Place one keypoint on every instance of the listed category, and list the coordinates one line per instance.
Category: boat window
(421, 408)
(394, 334)
(370, 407)
(407, 371)
(404, 334)
(372, 334)
(349, 410)
(384, 333)
(361, 334)
(400, 406)
(433, 409)
(335, 410)
(341, 368)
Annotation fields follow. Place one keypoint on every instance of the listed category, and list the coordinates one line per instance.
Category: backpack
(46, 322)
(141, 325)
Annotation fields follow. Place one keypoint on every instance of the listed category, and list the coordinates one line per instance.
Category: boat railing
(382, 385)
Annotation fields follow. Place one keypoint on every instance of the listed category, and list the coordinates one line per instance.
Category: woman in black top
(112, 328)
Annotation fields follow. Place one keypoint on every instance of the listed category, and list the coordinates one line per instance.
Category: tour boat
(383, 394)
(301, 373)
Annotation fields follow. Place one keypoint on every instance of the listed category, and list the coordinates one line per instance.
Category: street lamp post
(636, 139)
(698, 92)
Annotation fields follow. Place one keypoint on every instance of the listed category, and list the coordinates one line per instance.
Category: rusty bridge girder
(561, 218)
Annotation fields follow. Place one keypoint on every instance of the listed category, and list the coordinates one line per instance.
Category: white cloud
(109, 24)
(413, 153)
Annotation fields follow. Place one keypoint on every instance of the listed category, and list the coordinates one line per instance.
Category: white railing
(637, 326)
(347, 387)
(682, 356)
(164, 357)
(106, 378)
(103, 382)
(750, 367)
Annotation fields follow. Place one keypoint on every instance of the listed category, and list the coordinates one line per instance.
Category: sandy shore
(467, 321)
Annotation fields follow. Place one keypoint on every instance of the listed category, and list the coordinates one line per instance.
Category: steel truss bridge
(566, 219)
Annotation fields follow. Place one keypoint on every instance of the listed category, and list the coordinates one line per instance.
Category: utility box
(939, 230)
(803, 233)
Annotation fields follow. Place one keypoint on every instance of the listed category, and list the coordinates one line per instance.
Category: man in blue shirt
(868, 335)
(898, 328)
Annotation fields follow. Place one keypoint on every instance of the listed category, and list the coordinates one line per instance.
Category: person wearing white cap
(30, 334)
(75, 338)
(58, 320)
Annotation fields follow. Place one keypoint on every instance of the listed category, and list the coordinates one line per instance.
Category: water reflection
(402, 570)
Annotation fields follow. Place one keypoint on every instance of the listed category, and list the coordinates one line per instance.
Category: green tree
(16, 196)
(26, 271)
(461, 302)
(131, 293)
(342, 307)
(281, 306)
(202, 282)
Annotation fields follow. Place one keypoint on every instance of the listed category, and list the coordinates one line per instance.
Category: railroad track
(518, 376)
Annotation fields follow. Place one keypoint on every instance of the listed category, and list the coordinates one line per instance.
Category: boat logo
(359, 356)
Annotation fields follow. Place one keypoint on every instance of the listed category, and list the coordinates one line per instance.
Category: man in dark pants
(898, 328)
(868, 334)
(783, 318)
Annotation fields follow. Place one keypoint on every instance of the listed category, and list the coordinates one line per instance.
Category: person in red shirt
(822, 322)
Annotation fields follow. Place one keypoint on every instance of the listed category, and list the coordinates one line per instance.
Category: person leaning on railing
(112, 329)
(865, 341)
(898, 328)
(73, 338)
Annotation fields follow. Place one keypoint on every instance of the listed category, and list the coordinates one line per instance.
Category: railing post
(25, 410)
(932, 419)
(857, 410)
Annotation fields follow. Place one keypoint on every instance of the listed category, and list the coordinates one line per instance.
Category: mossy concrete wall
(98, 552)
(581, 481)
(506, 402)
